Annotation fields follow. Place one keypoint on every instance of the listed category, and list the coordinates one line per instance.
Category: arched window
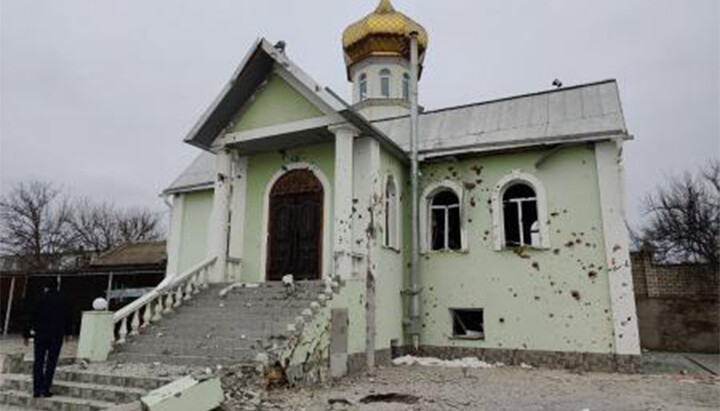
(363, 86)
(385, 83)
(520, 216)
(390, 238)
(445, 221)
(406, 86)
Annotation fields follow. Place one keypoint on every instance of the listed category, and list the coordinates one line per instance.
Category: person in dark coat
(49, 323)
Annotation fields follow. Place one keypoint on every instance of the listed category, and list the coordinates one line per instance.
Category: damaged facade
(523, 246)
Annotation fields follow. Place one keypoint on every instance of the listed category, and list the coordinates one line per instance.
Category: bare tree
(683, 218)
(94, 225)
(35, 223)
(99, 227)
(137, 224)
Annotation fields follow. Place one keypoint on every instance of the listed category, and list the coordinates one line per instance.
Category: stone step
(192, 340)
(258, 301)
(228, 317)
(193, 360)
(55, 403)
(145, 383)
(198, 326)
(99, 392)
(181, 349)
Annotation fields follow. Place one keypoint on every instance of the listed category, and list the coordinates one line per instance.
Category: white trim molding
(517, 176)
(325, 270)
(425, 214)
(608, 157)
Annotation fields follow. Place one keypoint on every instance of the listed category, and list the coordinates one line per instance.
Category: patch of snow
(467, 362)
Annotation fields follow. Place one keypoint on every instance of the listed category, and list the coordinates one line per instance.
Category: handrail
(173, 290)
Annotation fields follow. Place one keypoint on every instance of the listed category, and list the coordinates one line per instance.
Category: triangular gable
(257, 71)
(276, 102)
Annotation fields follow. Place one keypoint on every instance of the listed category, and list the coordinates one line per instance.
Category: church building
(521, 249)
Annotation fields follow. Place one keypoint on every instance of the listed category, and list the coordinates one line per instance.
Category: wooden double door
(295, 227)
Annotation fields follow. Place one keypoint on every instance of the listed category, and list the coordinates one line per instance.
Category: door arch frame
(326, 262)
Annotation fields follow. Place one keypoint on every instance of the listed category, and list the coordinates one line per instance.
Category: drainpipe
(414, 290)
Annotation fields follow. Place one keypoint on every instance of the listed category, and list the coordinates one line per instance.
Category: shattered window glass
(520, 216)
(445, 221)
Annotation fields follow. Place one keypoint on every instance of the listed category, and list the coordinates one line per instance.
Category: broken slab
(185, 394)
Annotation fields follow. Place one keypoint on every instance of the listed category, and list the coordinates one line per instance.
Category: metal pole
(9, 306)
(109, 288)
(414, 171)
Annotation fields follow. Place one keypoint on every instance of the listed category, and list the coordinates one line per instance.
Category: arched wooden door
(295, 227)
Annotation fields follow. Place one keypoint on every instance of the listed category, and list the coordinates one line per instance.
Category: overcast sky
(96, 95)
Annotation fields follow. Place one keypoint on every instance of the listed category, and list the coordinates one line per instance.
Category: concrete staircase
(74, 390)
(211, 330)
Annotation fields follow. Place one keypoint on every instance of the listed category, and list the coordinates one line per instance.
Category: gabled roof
(134, 254)
(585, 112)
(199, 175)
(260, 61)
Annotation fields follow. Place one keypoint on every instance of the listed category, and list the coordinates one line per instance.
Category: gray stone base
(357, 363)
(544, 359)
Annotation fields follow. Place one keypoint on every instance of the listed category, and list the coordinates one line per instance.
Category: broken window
(445, 221)
(363, 87)
(520, 215)
(385, 82)
(468, 323)
(391, 211)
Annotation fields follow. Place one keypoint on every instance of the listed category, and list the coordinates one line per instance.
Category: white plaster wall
(617, 244)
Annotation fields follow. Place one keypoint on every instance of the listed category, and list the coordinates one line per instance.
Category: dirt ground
(506, 388)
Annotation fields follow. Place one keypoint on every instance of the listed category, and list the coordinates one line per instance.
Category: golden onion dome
(384, 32)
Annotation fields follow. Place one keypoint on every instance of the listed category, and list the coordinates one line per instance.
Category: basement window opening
(468, 323)
(520, 215)
(445, 221)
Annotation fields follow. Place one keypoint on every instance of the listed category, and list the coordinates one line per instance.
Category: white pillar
(343, 201)
(220, 227)
(174, 235)
(237, 219)
(617, 247)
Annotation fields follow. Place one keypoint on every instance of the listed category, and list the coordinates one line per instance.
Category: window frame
(406, 86)
(426, 216)
(455, 315)
(391, 211)
(385, 76)
(362, 87)
(509, 180)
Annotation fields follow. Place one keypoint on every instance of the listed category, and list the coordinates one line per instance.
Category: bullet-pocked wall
(262, 169)
(556, 298)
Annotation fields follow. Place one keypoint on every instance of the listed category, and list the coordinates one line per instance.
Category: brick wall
(677, 306)
(686, 281)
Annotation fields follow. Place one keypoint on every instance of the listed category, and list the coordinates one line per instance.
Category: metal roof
(588, 112)
(199, 175)
(580, 113)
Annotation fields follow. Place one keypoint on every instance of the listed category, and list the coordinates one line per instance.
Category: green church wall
(550, 299)
(261, 169)
(390, 264)
(276, 103)
(197, 207)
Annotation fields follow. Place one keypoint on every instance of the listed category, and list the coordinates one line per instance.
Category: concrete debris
(467, 362)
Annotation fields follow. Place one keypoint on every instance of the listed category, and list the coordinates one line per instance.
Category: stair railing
(161, 300)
